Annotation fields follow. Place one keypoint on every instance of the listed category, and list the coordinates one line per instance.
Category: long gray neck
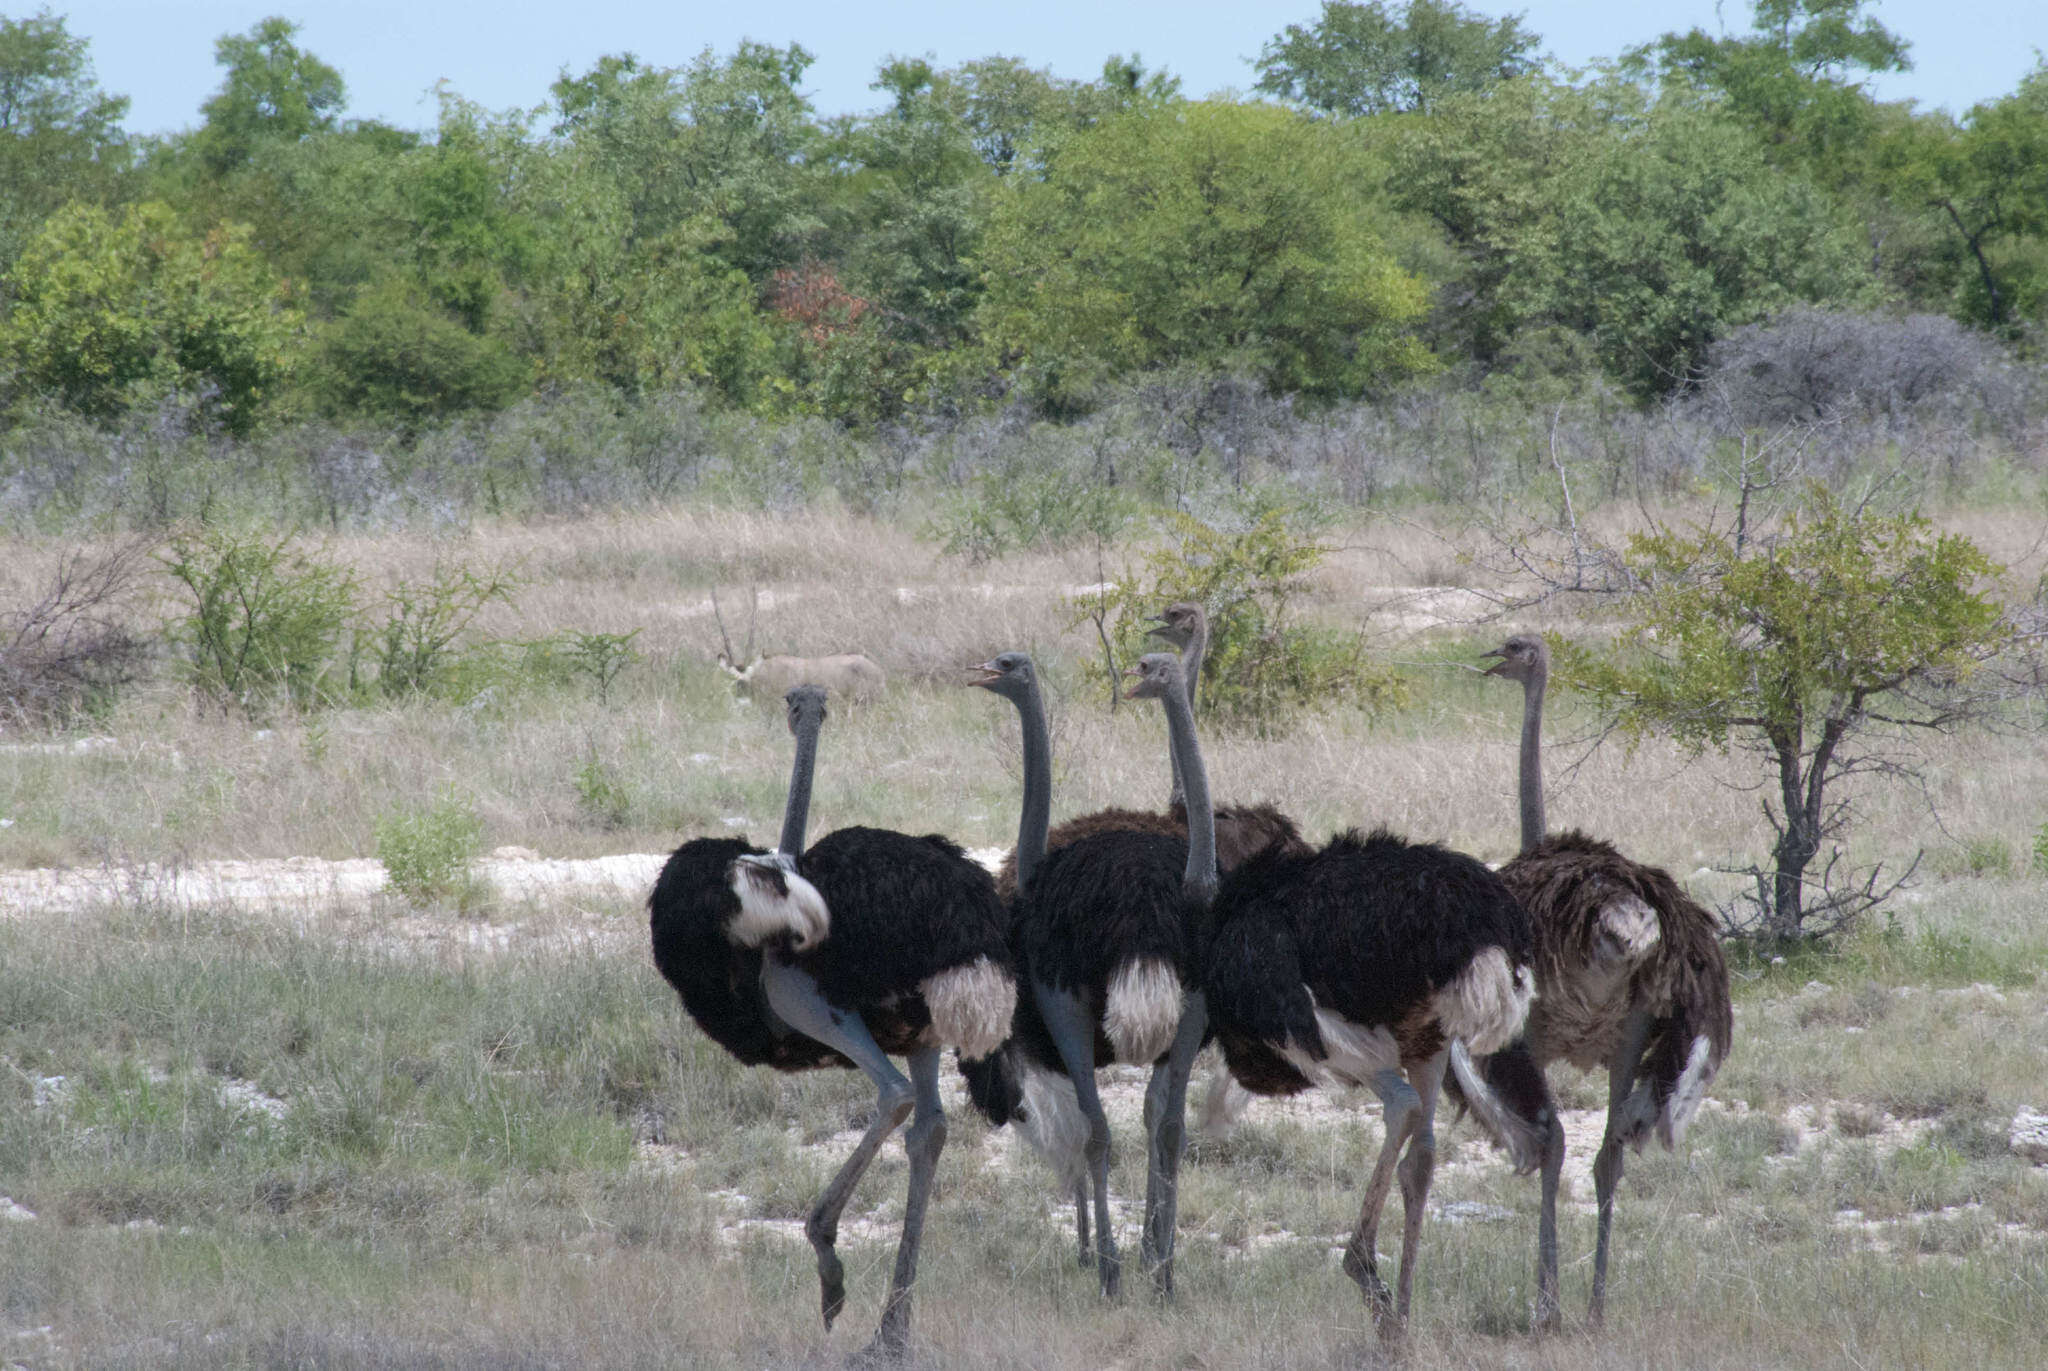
(1180, 729)
(1037, 811)
(1191, 670)
(796, 810)
(1532, 757)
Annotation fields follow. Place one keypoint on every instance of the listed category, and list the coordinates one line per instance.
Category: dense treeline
(1411, 190)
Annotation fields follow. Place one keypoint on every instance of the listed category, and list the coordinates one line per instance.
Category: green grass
(450, 1181)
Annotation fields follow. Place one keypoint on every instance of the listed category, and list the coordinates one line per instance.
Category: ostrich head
(1155, 675)
(804, 704)
(1524, 657)
(1011, 676)
(1178, 623)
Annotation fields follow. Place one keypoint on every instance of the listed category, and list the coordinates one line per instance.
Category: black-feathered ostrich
(1240, 829)
(870, 943)
(1629, 977)
(1106, 930)
(1360, 964)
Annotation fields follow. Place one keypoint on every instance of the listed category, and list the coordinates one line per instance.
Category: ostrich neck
(1191, 669)
(1532, 759)
(796, 811)
(1180, 728)
(1037, 811)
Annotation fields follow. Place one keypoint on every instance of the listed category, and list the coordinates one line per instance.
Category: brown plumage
(1629, 977)
(1241, 830)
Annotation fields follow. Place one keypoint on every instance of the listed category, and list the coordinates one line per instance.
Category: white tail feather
(1225, 1103)
(1142, 1010)
(775, 901)
(1631, 927)
(1488, 1001)
(1521, 1138)
(971, 1006)
(1687, 1094)
(1053, 1123)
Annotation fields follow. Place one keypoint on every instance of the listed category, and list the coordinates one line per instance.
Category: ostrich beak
(1137, 679)
(1160, 629)
(990, 674)
(1498, 667)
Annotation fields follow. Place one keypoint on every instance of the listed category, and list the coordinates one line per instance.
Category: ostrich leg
(1621, 1073)
(1415, 1170)
(1166, 1107)
(796, 999)
(927, 1135)
(1081, 1223)
(1361, 1259)
(1073, 1031)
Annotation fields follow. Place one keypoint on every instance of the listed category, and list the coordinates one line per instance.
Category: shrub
(1261, 663)
(65, 653)
(602, 794)
(426, 851)
(598, 657)
(266, 618)
(398, 358)
(416, 642)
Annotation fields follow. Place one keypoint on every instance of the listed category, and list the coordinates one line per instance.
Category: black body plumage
(1372, 925)
(719, 981)
(904, 909)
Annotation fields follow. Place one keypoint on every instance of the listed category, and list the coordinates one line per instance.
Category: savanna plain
(296, 1124)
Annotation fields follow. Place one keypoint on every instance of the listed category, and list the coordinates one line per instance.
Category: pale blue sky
(506, 52)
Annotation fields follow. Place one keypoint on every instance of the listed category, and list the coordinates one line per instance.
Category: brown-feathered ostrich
(1360, 964)
(1106, 932)
(870, 943)
(1240, 829)
(1629, 977)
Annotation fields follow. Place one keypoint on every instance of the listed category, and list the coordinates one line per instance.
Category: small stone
(2029, 1135)
(17, 1213)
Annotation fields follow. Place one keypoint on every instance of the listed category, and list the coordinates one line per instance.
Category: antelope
(847, 675)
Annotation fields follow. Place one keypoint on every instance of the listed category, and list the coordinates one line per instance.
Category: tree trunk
(1798, 841)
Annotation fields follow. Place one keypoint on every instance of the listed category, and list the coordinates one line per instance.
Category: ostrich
(1107, 929)
(1629, 976)
(1360, 964)
(1240, 829)
(870, 943)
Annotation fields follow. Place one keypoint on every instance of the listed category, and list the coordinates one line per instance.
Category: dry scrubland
(486, 1136)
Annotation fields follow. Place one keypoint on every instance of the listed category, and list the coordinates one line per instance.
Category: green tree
(110, 311)
(274, 91)
(400, 358)
(726, 140)
(60, 135)
(1986, 183)
(1217, 234)
(1362, 59)
(1815, 642)
(1796, 78)
(1652, 227)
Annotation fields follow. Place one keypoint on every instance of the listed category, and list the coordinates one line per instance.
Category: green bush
(426, 851)
(400, 359)
(415, 645)
(1261, 663)
(266, 618)
(602, 794)
(598, 657)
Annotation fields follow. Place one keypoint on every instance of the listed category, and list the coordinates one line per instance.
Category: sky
(505, 53)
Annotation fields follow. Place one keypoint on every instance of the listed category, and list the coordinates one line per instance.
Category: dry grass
(453, 1182)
